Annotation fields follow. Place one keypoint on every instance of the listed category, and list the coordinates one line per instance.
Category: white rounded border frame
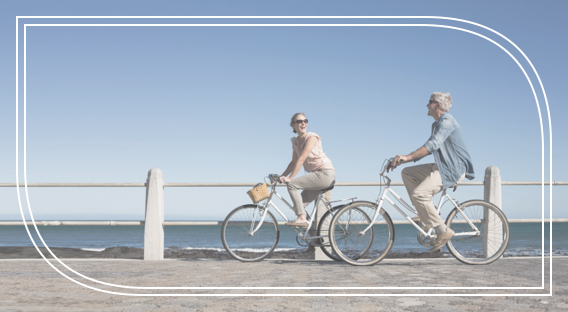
(468, 23)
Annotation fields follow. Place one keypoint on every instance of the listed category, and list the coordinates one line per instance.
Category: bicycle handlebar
(387, 166)
(274, 178)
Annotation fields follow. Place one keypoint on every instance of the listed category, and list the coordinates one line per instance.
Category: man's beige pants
(422, 183)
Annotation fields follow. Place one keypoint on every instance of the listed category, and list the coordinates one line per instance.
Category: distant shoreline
(176, 253)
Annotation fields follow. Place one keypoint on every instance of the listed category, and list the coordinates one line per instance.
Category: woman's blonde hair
(293, 120)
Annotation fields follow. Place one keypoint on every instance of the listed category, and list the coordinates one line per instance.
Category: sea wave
(94, 249)
(241, 249)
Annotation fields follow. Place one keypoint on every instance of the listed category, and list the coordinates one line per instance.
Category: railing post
(153, 228)
(319, 255)
(492, 227)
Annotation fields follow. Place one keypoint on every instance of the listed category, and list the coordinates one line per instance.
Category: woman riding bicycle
(307, 151)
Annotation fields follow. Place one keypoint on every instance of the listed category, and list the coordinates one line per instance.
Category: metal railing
(154, 222)
(253, 184)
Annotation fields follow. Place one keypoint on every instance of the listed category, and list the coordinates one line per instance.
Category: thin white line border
(276, 25)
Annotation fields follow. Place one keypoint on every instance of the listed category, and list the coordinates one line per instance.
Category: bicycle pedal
(316, 242)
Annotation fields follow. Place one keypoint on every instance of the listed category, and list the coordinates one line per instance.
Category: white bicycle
(250, 232)
(481, 229)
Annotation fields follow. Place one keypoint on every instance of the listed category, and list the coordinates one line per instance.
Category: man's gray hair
(445, 100)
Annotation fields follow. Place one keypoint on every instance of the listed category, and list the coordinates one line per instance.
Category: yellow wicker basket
(258, 193)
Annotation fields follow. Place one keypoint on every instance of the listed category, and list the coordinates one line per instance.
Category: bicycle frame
(429, 234)
(269, 202)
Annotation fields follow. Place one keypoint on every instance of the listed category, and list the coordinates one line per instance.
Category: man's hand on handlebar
(396, 161)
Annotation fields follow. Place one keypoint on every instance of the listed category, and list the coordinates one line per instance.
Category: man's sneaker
(442, 239)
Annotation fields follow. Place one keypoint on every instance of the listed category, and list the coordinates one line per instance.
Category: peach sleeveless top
(316, 159)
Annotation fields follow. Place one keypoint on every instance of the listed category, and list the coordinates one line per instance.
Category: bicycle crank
(426, 241)
(300, 240)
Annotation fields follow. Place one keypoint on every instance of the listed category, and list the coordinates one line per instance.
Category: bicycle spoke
(238, 237)
(489, 241)
(355, 240)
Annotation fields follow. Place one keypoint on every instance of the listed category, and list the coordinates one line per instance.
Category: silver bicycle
(481, 229)
(250, 232)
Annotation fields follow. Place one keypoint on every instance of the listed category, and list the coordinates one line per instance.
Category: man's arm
(441, 134)
(400, 159)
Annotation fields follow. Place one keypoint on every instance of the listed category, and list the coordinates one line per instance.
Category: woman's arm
(300, 161)
(290, 165)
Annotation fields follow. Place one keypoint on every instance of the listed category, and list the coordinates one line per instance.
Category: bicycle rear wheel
(354, 240)
(242, 237)
(481, 246)
(323, 230)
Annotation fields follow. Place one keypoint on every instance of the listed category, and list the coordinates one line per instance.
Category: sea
(526, 238)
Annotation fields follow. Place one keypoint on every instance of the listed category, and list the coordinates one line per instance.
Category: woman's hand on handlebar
(284, 179)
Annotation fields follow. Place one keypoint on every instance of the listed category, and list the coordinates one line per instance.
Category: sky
(105, 104)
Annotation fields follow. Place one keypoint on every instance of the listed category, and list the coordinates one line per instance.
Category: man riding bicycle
(452, 164)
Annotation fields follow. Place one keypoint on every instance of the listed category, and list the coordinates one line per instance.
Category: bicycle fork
(253, 230)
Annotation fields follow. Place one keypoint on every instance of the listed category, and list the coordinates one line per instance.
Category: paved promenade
(32, 285)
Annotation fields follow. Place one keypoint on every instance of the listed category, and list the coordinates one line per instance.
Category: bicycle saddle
(329, 188)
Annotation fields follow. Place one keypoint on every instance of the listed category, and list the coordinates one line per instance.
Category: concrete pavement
(391, 285)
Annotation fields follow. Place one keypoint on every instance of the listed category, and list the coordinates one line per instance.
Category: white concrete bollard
(492, 226)
(319, 255)
(153, 226)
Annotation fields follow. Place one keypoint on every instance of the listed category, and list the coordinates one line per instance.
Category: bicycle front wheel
(247, 236)
(485, 239)
(355, 240)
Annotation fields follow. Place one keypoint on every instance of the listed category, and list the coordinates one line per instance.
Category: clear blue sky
(212, 104)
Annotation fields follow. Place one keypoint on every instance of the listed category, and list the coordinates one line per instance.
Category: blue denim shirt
(449, 149)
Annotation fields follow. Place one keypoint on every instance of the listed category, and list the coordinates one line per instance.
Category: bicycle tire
(348, 225)
(323, 230)
(494, 230)
(236, 229)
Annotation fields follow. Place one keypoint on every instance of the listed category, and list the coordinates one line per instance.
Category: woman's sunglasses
(299, 121)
